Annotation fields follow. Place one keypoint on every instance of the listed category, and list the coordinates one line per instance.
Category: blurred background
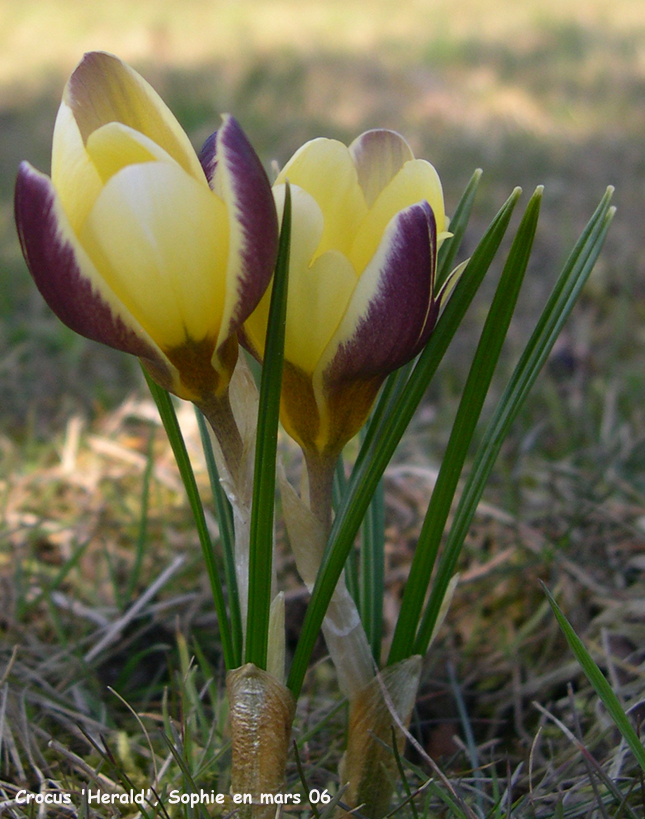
(539, 92)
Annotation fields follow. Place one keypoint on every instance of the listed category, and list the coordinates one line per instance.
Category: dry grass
(80, 623)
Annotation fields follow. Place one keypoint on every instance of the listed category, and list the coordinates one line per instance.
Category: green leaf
(457, 226)
(599, 683)
(365, 478)
(393, 388)
(169, 419)
(261, 536)
(559, 305)
(226, 534)
(372, 568)
(338, 493)
(470, 407)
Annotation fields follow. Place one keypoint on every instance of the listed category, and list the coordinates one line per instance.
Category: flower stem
(235, 468)
(342, 627)
(320, 484)
(219, 414)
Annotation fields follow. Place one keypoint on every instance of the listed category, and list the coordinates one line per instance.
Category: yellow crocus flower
(127, 242)
(366, 224)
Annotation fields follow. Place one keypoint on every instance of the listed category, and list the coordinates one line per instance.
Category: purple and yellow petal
(208, 157)
(416, 181)
(65, 275)
(392, 306)
(242, 184)
(128, 243)
(361, 290)
(378, 156)
(387, 321)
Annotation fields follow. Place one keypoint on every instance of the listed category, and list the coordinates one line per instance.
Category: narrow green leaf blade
(372, 570)
(470, 407)
(371, 465)
(169, 419)
(364, 480)
(559, 305)
(226, 534)
(351, 566)
(261, 539)
(599, 683)
(457, 226)
(393, 388)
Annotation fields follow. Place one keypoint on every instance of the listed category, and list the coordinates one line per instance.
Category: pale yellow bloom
(366, 224)
(129, 244)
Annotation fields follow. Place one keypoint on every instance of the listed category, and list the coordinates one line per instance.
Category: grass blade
(261, 539)
(599, 683)
(470, 407)
(392, 390)
(171, 425)
(365, 479)
(559, 305)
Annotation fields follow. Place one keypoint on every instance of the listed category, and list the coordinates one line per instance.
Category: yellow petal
(317, 300)
(73, 174)
(255, 327)
(114, 146)
(103, 89)
(416, 181)
(307, 224)
(326, 170)
(160, 240)
(306, 229)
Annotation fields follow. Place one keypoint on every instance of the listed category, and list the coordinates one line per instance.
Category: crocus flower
(127, 242)
(366, 224)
